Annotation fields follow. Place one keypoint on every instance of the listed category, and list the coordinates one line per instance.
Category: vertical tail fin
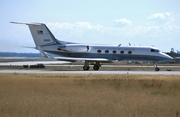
(40, 33)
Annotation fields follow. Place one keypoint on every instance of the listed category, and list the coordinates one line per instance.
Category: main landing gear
(95, 67)
(85, 68)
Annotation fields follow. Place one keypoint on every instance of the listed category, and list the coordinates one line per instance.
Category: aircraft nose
(169, 58)
(166, 57)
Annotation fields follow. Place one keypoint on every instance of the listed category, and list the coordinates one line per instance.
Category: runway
(90, 72)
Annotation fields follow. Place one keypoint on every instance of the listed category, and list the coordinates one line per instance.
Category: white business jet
(91, 53)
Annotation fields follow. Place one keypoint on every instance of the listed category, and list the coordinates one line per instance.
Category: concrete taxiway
(91, 72)
(32, 63)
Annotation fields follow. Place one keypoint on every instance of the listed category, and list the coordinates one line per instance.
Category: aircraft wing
(83, 59)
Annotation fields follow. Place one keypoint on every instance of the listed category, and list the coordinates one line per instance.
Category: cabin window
(129, 52)
(98, 51)
(114, 51)
(122, 52)
(106, 51)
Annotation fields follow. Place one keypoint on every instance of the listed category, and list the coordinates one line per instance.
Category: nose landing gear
(156, 67)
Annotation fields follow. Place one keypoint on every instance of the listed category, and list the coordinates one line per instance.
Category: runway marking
(91, 72)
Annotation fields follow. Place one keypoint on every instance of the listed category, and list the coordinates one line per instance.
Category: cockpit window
(155, 50)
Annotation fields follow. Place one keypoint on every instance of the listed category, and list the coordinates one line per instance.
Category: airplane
(91, 54)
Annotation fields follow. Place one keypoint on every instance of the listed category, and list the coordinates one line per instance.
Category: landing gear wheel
(96, 67)
(85, 68)
(157, 69)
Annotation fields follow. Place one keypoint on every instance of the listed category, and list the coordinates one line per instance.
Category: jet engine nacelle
(74, 48)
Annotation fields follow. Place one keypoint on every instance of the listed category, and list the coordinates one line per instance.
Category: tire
(86, 68)
(96, 67)
(157, 69)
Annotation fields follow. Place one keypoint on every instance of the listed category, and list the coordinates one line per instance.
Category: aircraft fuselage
(111, 52)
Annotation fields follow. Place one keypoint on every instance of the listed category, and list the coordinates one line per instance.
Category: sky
(139, 22)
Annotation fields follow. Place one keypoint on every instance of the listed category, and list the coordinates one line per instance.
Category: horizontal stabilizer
(28, 47)
(26, 23)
